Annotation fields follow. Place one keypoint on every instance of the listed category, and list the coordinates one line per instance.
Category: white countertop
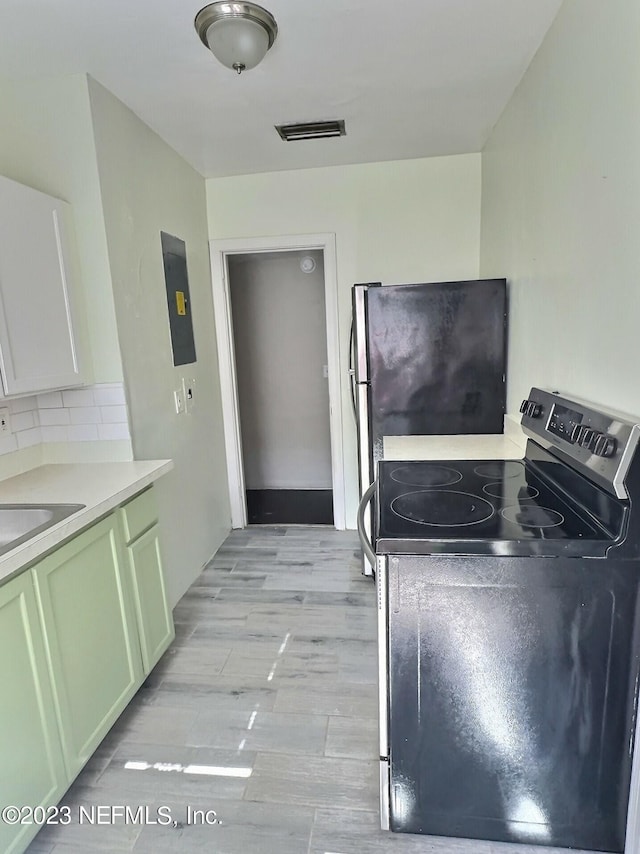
(99, 486)
(490, 447)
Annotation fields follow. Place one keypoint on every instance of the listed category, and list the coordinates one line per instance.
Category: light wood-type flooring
(262, 716)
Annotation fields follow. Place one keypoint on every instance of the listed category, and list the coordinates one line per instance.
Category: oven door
(512, 697)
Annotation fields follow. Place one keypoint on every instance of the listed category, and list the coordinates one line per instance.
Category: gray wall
(279, 328)
(147, 188)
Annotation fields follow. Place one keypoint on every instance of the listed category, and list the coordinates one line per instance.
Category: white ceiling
(411, 78)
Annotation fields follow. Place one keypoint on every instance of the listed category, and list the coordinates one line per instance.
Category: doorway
(280, 350)
(276, 323)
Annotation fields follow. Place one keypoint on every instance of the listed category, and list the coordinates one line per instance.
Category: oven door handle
(367, 548)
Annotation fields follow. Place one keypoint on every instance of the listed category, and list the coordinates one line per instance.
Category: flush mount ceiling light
(237, 34)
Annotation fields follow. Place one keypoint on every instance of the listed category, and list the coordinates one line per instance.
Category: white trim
(228, 388)
(219, 249)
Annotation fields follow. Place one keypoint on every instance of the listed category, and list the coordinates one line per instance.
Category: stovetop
(480, 507)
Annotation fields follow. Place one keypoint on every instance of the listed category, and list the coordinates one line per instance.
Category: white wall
(280, 340)
(147, 188)
(69, 137)
(404, 221)
(561, 208)
(47, 143)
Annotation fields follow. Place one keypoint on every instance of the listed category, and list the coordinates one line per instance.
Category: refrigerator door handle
(367, 548)
(359, 327)
(366, 467)
(352, 384)
(352, 376)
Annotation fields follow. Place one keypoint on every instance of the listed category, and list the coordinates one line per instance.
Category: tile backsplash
(91, 414)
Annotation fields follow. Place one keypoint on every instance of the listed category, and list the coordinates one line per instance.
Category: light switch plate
(178, 399)
(188, 393)
(5, 423)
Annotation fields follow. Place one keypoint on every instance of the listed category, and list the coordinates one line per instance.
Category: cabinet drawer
(139, 515)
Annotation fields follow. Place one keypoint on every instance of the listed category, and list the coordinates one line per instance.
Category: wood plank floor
(263, 711)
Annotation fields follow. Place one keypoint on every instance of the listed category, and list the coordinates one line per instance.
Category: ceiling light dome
(237, 34)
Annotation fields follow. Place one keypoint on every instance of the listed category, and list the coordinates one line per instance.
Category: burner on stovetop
(506, 489)
(444, 508)
(499, 469)
(533, 516)
(425, 475)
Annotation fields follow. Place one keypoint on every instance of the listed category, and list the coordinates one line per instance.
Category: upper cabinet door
(38, 345)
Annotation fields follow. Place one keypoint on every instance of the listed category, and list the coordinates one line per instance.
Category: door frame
(219, 250)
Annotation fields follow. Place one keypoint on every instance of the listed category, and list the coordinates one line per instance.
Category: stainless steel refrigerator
(427, 359)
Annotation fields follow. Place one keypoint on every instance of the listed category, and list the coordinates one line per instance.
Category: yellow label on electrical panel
(181, 303)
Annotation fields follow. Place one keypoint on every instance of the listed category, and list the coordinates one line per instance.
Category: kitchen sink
(21, 522)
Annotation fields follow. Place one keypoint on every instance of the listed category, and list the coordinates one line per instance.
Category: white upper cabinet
(39, 348)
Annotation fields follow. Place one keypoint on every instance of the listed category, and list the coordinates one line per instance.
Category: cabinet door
(38, 346)
(92, 644)
(30, 756)
(155, 621)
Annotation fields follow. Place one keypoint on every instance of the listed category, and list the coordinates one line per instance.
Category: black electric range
(489, 507)
(509, 627)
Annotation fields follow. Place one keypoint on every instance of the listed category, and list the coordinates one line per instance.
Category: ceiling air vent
(311, 130)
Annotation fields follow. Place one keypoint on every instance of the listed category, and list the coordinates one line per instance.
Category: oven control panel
(564, 422)
(599, 443)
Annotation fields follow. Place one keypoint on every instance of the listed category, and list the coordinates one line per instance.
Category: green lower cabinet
(91, 635)
(78, 632)
(155, 620)
(32, 772)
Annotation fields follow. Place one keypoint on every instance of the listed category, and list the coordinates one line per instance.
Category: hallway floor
(264, 711)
